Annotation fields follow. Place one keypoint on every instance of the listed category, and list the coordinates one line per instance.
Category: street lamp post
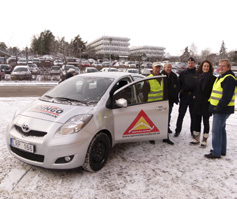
(110, 41)
(27, 55)
(80, 58)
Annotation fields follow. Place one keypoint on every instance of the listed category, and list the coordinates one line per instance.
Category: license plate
(22, 145)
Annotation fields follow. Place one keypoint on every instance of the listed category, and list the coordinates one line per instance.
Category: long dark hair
(199, 70)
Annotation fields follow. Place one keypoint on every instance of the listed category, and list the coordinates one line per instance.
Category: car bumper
(18, 77)
(65, 152)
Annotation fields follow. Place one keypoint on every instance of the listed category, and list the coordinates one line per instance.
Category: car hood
(54, 112)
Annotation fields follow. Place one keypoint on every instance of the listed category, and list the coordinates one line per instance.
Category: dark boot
(168, 141)
(152, 141)
(176, 134)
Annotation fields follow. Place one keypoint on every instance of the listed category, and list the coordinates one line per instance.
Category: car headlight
(74, 125)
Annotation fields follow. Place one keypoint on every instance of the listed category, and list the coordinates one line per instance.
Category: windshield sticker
(47, 110)
(142, 125)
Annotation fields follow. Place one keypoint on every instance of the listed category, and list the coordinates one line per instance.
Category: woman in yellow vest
(222, 102)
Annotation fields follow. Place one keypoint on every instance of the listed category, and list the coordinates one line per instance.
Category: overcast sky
(173, 24)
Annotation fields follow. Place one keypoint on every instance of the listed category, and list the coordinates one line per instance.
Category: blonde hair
(167, 64)
(227, 61)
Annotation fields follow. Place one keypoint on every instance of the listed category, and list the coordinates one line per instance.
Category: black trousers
(188, 102)
(198, 121)
(171, 104)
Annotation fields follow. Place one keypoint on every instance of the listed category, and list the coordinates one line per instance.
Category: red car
(85, 64)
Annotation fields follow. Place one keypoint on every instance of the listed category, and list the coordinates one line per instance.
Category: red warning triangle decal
(141, 124)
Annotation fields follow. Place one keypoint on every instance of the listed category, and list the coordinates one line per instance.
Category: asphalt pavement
(23, 91)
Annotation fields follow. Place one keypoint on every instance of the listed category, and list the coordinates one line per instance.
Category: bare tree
(193, 50)
(205, 53)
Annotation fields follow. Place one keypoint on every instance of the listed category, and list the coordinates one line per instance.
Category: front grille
(31, 132)
(27, 155)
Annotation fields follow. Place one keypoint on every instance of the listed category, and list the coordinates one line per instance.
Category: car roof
(90, 67)
(21, 67)
(115, 75)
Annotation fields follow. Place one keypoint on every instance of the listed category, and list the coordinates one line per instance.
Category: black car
(6, 67)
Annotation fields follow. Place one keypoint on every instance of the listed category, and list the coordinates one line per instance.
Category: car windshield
(92, 70)
(4, 66)
(20, 70)
(112, 70)
(55, 68)
(79, 90)
(133, 71)
(68, 67)
(32, 65)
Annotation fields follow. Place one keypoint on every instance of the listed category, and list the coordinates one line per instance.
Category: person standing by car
(222, 103)
(153, 91)
(201, 96)
(172, 84)
(187, 84)
(70, 73)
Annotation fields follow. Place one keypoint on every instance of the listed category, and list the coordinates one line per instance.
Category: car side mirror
(121, 103)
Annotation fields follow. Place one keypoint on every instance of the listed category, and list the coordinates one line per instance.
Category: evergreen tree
(223, 54)
(44, 44)
(184, 57)
(3, 45)
(77, 46)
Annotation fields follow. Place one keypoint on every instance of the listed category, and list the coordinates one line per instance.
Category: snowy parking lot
(133, 170)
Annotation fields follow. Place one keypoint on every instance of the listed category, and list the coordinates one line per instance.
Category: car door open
(136, 118)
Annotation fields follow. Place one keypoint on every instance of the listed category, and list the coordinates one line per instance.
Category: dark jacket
(228, 86)
(187, 84)
(68, 75)
(171, 82)
(202, 94)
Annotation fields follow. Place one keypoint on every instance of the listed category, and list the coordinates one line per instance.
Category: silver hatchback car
(79, 121)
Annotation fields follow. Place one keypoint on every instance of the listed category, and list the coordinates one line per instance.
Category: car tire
(97, 153)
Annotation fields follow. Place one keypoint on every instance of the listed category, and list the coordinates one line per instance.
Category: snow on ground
(134, 170)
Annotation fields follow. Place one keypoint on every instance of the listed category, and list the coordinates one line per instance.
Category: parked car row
(20, 72)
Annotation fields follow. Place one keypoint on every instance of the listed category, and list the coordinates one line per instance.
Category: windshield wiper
(69, 100)
(92, 102)
(46, 97)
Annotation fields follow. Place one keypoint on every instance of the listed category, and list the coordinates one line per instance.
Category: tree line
(47, 44)
(206, 54)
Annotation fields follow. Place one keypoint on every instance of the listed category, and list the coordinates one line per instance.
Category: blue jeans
(219, 140)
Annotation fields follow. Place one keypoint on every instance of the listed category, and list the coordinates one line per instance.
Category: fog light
(67, 159)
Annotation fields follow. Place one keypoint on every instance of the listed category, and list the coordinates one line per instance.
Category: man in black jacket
(187, 84)
(222, 103)
(172, 85)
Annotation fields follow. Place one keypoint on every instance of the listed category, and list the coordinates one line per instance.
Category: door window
(138, 92)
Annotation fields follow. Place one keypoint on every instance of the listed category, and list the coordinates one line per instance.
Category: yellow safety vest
(235, 86)
(156, 90)
(217, 92)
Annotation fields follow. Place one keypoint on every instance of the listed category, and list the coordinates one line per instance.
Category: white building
(149, 51)
(108, 45)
